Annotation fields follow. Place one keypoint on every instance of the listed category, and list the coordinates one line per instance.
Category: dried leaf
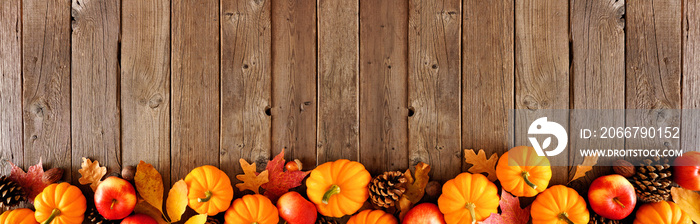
(416, 188)
(177, 201)
(251, 180)
(149, 184)
(197, 219)
(689, 201)
(143, 207)
(511, 212)
(281, 181)
(586, 166)
(31, 181)
(91, 173)
(480, 164)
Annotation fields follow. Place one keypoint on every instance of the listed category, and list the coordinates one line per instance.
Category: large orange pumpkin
(209, 190)
(60, 204)
(18, 216)
(522, 172)
(468, 198)
(559, 204)
(338, 188)
(372, 217)
(252, 209)
(663, 212)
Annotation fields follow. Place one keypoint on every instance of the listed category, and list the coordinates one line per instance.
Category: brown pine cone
(11, 194)
(325, 220)
(597, 219)
(94, 217)
(653, 181)
(212, 220)
(386, 189)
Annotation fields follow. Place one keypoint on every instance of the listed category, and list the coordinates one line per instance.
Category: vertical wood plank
(294, 79)
(145, 84)
(691, 76)
(95, 84)
(245, 83)
(195, 86)
(487, 75)
(46, 83)
(383, 85)
(541, 66)
(11, 83)
(434, 37)
(338, 125)
(598, 37)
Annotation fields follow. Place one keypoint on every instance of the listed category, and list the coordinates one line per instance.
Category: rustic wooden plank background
(390, 83)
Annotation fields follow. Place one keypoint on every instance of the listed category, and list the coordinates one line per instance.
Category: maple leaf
(251, 180)
(511, 212)
(587, 165)
(31, 181)
(416, 188)
(91, 173)
(688, 201)
(281, 181)
(480, 164)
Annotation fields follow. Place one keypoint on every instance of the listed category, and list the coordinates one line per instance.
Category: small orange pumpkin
(559, 204)
(252, 209)
(338, 188)
(18, 216)
(60, 204)
(468, 198)
(522, 172)
(209, 190)
(372, 217)
(663, 212)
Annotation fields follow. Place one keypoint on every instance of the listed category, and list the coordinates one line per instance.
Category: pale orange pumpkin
(18, 216)
(663, 212)
(372, 217)
(252, 209)
(468, 198)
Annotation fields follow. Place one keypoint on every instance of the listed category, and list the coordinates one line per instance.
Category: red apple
(426, 213)
(295, 209)
(115, 198)
(612, 196)
(686, 171)
(139, 219)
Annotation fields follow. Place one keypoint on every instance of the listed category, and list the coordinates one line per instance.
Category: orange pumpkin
(60, 204)
(338, 188)
(372, 217)
(468, 198)
(663, 212)
(252, 209)
(209, 190)
(18, 216)
(559, 204)
(522, 172)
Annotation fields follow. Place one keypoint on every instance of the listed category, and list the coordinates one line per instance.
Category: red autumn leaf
(281, 181)
(30, 181)
(511, 213)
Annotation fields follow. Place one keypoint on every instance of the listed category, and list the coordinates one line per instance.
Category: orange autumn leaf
(91, 173)
(480, 164)
(197, 219)
(177, 201)
(688, 201)
(251, 180)
(587, 165)
(416, 187)
(149, 184)
(143, 207)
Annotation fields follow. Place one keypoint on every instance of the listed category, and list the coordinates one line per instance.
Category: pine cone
(653, 180)
(94, 217)
(597, 219)
(212, 220)
(386, 189)
(11, 193)
(325, 220)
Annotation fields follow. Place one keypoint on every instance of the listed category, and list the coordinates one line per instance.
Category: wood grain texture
(487, 76)
(338, 118)
(541, 69)
(245, 83)
(145, 84)
(383, 85)
(294, 79)
(598, 69)
(11, 83)
(194, 86)
(95, 126)
(434, 71)
(690, 138)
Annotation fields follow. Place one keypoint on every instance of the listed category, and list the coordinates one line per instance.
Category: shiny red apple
(139, 219)
(686, 171)
(115, 198)
(295, 209)
(426, 213)
(612, 197)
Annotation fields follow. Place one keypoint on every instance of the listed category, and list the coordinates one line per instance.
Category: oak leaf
(31, 181)
(251, 180)
(281, 181)
(91, 173)
(511, 212)
(149, 184)
(177, 201)
(480, 164)
(587, 165)
(416, 187)
(197, 219)
(689, 201)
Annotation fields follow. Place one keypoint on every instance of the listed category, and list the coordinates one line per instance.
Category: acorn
(624, 168)
(52, 175)
(128, 172)
(433, 188)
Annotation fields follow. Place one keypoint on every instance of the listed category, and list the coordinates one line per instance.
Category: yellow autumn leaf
(416, 188)
(143, 207)
(688, 201)
(91, 173)
(197, 219)
(149, 184)
(177, 201)
(587, 165)
(480, 164)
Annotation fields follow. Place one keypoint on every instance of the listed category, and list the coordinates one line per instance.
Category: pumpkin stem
(565, 217)
(472, 213)
(53, 215)
(616, 200)
(526, 176)
(207, 197)
(333, 190)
